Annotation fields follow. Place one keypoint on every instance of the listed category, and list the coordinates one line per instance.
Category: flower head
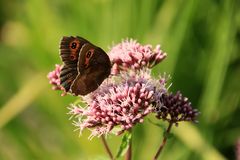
(120, 101)
(131, 54)
(175, 108)
(54, 78)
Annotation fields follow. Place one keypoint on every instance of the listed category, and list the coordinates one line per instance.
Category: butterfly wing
(86, 83)
(69, 53)
(94, 66)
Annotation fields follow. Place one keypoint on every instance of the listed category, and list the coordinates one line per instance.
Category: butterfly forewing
(69, 53)
(69, 49)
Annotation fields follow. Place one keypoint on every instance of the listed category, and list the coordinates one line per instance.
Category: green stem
(163, 142)
(107, 148)
(129, 151)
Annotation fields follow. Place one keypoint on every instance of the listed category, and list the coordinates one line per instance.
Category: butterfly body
(85, 65)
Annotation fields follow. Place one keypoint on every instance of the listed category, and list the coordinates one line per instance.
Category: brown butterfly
(85, 65)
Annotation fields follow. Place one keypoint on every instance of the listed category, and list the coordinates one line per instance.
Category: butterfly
(85, 65)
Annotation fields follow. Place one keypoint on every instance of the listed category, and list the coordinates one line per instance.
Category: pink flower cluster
(131, 54)
(123, 102)
(124, 99)
(54, 78)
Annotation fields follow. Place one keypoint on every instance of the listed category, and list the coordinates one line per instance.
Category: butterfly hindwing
(87, 83)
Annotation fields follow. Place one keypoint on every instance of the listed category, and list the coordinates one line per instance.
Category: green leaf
(124, 145)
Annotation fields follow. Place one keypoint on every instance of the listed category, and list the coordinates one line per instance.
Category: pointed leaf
(124, 145)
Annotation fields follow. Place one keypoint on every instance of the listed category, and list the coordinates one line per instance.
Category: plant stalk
(163, 142)
(107, 148)
(128, 155)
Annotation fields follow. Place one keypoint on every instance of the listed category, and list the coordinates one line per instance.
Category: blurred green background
(202, 39)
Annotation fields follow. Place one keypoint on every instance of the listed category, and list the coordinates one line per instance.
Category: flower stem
(107, 148)
(163, 142)
(129, 151)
